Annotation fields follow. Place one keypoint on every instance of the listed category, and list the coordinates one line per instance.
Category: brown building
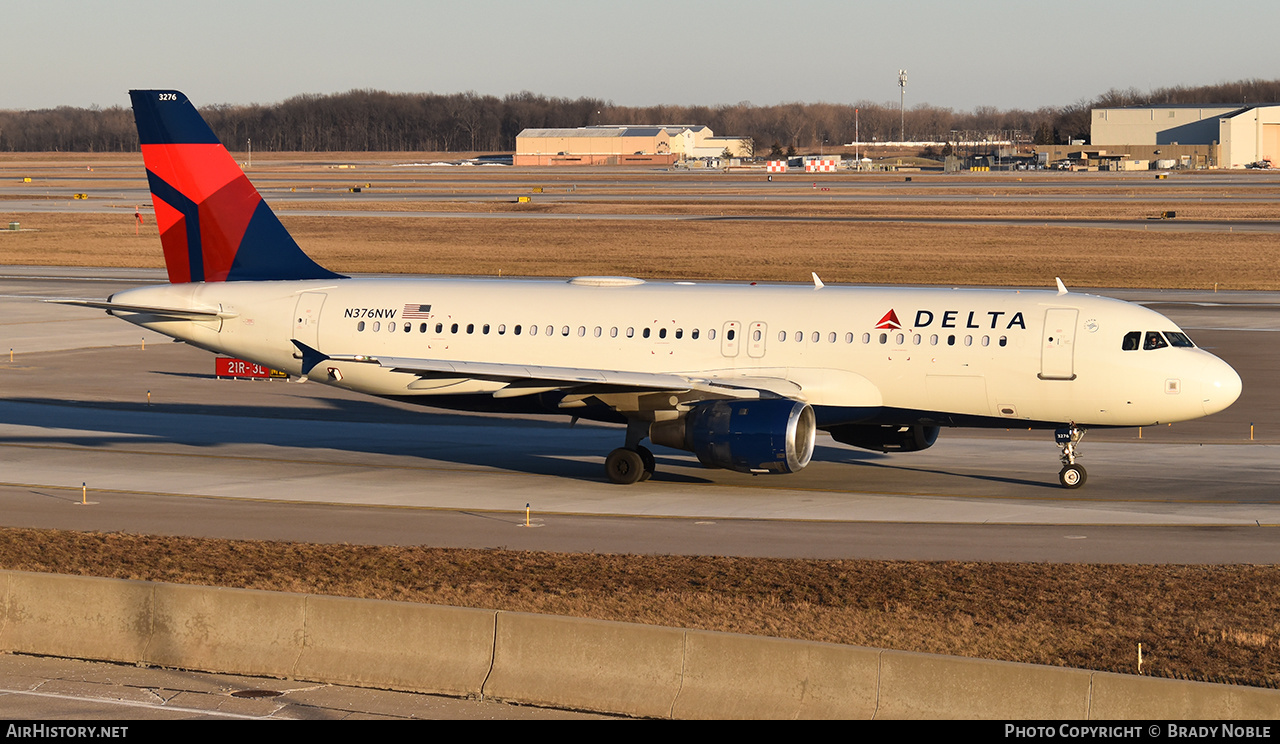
(624, 145)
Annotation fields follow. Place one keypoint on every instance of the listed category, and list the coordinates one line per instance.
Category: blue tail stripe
(267, 251)
(190, 216)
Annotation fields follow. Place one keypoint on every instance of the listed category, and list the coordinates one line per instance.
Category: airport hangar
(1192, 135)
(625, 145)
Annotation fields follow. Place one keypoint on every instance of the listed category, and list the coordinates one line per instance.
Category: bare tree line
(369, 120)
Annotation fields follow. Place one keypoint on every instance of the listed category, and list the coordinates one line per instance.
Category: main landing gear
(1072, 474)
(632, 462)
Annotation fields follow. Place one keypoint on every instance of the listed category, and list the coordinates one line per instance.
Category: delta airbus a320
(743, 376)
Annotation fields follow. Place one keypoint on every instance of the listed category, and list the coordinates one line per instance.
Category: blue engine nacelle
(755, 436)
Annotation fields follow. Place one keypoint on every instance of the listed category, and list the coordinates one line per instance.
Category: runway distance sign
(229, 367)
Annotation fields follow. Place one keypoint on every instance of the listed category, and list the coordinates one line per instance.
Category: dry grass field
(1210, 623)
(748, 229)
(853, 252)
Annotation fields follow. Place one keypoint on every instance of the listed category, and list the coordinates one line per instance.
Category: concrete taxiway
(35, 688)
(159, 445)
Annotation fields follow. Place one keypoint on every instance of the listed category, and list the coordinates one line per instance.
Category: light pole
(857, 163)
(902, 104)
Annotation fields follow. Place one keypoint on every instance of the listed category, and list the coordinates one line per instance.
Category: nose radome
(1220, 385)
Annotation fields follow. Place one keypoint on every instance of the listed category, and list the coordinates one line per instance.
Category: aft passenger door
(306, 318)
(1057, 348)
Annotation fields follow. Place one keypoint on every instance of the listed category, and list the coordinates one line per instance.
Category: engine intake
(886, 438)
(757, 436)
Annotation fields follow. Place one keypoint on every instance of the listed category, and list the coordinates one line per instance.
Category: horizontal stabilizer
(176, 313)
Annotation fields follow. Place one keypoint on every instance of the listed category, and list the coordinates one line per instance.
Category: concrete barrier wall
(397, 645)
(586, 664)
(76, 616)
(738, 676)
(637, 670)
(225, 630)
(929, 686)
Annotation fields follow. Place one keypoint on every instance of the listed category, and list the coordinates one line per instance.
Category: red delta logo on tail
(889, 322)
(214, 226)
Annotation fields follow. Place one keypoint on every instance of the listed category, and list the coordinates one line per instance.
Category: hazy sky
(959, 55)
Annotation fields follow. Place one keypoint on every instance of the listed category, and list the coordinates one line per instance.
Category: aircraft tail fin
(214, 226)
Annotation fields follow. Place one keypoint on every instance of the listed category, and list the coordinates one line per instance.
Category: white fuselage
(974, 355)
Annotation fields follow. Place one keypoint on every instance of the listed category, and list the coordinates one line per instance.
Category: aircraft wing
(812, 385)
(526, 379)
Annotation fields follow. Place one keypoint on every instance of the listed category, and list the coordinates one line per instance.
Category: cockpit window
(1132, 341)
(1179, 339)
(1154, 341)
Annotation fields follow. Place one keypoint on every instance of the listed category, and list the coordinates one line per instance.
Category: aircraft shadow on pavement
(868, 459)
(535, 447)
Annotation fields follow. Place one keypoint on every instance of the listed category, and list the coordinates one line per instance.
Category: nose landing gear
(1072, 474)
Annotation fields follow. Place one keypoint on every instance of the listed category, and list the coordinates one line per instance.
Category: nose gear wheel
(1073, 474)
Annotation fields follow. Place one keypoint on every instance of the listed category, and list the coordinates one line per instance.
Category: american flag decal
(417, 312)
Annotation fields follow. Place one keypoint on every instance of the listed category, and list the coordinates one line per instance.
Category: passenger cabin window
(1132, 340)
(1154, 341)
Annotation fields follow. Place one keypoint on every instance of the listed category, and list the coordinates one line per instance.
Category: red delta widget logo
(975, 319)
